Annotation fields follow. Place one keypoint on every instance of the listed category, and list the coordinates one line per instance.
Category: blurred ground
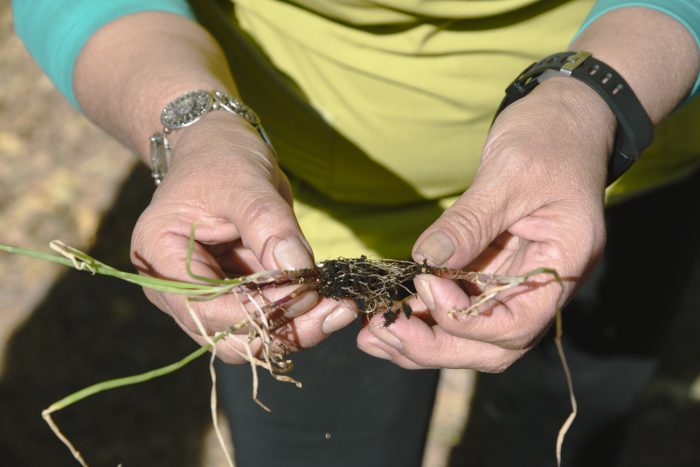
(60, 330)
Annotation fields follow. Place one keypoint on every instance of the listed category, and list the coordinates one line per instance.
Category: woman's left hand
(536, 201)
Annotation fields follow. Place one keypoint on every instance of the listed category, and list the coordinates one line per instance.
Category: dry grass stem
(46, 415)
(213, 402)
(569, 385)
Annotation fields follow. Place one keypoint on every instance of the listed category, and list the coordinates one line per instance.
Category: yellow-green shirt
(379, 109)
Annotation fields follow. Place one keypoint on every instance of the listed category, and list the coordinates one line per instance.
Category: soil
(60, 330)
(374, 286)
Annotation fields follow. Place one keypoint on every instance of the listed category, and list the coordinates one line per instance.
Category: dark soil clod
(374, 285)
(389, 317)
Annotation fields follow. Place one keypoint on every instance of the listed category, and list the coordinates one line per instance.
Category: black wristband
(635, 130)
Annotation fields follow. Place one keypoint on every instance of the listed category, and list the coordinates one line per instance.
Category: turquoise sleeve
(686, 12)
(54, 31)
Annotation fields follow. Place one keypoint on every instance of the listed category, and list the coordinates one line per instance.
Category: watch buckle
(574, 61)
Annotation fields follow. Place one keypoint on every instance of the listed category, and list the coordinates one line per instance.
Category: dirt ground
(60, 330)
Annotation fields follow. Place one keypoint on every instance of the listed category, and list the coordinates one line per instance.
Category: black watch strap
(635, 130)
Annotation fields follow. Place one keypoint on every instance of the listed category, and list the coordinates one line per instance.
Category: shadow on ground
(92, 328)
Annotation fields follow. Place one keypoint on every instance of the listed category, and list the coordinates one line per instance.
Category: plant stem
(81, 261)
(129, 380)
(116, 383)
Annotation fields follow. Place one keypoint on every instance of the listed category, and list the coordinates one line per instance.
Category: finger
(260, 208)
(284, 187)
(505, 321)
(312, 327)
(429, 347)
(296, 336)
(376, 348)
(234, 177)
(262, 218)
(469, 226)
(231, 349)
(268, 228)
(376, 340)
(225, 310)
(302, 332)
(235, 259)
(301, 322)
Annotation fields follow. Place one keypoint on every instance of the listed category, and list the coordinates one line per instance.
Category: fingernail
(301, 305)
(377, 352)
(425, 294)
(437, 248)
(290, 253)
(340, 317)
(388, 338)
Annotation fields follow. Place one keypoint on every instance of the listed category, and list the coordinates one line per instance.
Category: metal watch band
(635, 131)
(188, 109)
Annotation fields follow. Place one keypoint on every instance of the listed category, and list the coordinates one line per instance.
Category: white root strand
(46, 415)
(213, 402)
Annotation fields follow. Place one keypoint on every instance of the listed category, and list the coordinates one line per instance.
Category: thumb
(268, 227)
(225, 172)
(464, 230)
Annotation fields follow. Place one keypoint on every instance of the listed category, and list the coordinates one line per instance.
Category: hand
(224, 178)
(536, 201)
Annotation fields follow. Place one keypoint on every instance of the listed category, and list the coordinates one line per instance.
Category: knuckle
(156, 299)
(502, 362)
(233, 350)
(190, 319)
(494, 369)
(229, 358)
(454, 325)
(205, 317)
(517, 340)
(266, 209)
(363, 342)
(188, 323)
(467, 223)
(408, 364)
(427, 357)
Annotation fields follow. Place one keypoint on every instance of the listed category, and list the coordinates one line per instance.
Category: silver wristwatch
(188, 109)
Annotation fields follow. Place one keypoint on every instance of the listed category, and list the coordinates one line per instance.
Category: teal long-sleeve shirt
(55, 31)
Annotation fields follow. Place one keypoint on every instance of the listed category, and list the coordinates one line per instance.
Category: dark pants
(377, 414)
(354, 410)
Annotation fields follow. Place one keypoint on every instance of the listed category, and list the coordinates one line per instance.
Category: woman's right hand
(224, 178)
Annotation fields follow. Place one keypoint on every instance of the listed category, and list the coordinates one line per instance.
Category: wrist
(634, 129)
(187, 111)
(562, 134)
(216, 149)
(218, 132)
(655, 53)
(586, 111)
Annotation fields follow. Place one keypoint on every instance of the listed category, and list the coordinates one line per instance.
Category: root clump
(373, 285)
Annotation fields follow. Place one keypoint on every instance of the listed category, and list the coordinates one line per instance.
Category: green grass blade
(130, 380)
(79, 260)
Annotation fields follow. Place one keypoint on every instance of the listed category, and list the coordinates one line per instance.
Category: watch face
(186, 109)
